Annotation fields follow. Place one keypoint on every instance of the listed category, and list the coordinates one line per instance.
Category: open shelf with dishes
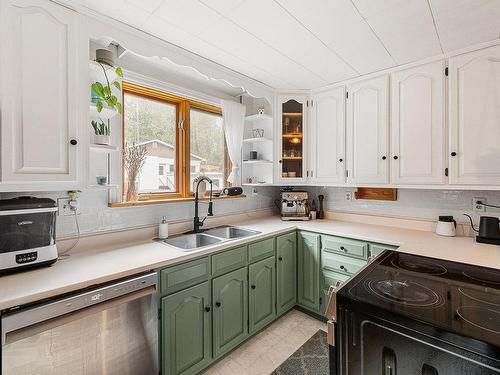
(257, 148)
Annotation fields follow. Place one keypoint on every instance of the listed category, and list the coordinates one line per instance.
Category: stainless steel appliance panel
(105, 337)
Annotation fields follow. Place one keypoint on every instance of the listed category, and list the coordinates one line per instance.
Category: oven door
(372, 347)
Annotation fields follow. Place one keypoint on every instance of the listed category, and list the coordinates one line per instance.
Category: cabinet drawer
(354, 248)
(229, 260)
(184, 275)
(260, 250)
(340, 263)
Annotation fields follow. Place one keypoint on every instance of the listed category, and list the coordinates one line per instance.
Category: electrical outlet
(348, 196)
(64, 208)
(477, 207)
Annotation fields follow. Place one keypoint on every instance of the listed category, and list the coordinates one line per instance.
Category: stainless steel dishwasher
(107, 330)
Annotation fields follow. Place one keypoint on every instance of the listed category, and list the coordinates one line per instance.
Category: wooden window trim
(182, 160)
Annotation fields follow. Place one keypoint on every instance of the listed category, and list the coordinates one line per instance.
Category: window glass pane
(207, 147)
(152, 123)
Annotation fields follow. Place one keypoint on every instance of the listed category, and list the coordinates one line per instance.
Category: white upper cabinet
(367, 131)
(418, 131)
(41, 95)
(292, 115)
(327, 137)
(474, 116)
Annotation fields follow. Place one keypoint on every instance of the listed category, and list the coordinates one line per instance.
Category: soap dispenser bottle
(163, 229)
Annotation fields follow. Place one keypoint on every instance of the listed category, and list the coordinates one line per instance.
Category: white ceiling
(299, 44)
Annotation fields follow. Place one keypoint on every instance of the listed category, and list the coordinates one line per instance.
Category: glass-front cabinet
(292, 130)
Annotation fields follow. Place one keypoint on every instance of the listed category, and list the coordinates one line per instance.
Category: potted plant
(101, 93)
(101, 132)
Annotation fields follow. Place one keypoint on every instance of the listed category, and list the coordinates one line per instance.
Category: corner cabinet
(327, 137)
(286, 272)
(418, 125)
(368, 131)
(292, 138)
(308, 258)
(44, 94)
(474, 118)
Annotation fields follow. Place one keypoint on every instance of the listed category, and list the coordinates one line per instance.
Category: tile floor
(263, 353)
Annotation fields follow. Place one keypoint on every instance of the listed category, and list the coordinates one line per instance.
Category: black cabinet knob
(343, 248)
(73, 142)
(253, 286)
(341, 160)
(218, 304)
(453, 153)
(395, 157)
(207, 309)
(280, 258)
(384, 157)
(342, 268)
(281, 161)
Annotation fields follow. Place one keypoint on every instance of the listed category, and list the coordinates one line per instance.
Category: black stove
(421, 315)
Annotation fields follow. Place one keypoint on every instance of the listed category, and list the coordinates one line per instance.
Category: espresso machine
(294, 205)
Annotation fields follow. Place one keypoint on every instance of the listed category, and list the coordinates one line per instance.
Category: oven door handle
(19, 325)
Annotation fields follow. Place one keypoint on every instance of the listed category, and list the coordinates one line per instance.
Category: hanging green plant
(104, 92)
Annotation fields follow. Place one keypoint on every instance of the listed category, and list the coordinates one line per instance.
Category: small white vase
(101, 139)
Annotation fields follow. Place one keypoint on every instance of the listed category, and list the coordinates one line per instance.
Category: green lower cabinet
(186, 331)
(286, 272)
(376, 249)
(230, 310)
(262, 294)
(329, 278)
(308, 256)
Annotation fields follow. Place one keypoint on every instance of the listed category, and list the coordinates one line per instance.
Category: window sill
(168, 200)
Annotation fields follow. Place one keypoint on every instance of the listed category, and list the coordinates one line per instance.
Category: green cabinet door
(286, 271)
(186, 331)
(230, 315)
(262, 293)
(308, 248)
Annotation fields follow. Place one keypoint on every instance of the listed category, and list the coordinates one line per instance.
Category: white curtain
(233, 116)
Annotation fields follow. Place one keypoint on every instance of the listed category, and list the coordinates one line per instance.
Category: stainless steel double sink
(194, 241)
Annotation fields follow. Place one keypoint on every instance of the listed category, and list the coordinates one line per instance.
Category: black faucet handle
(210, 209)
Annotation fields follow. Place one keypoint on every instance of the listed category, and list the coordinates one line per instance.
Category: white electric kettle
(446, 226)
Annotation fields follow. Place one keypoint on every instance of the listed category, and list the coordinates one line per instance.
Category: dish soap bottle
(163, 229)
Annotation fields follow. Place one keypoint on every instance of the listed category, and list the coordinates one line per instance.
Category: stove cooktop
(456, 297)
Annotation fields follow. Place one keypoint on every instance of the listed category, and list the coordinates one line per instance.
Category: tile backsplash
(95, 215)
(411, 203)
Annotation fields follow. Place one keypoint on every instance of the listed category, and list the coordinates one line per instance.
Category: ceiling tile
(461, 23)
(369, 8)
(281, 31)
(122, 10)
(222, 6)
(189, 15)
(407, 31)
(172, 34)
(231, 38)
(342, 29)
(148, 5)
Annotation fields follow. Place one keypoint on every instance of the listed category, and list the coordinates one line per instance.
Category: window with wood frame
(182, 138)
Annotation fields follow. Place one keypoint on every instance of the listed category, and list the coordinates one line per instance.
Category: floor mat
(311, 358)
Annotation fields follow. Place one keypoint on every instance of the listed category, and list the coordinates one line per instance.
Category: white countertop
(87, 268)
